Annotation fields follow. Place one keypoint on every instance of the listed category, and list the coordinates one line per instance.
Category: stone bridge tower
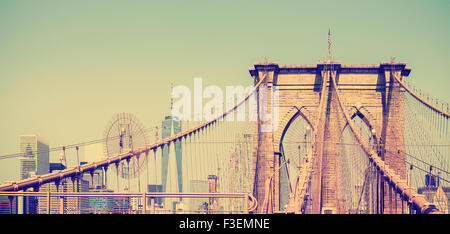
(367, 90)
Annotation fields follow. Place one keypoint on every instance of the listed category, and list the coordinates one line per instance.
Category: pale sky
(66, 67)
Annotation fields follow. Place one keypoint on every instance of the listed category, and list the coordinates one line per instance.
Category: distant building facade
(154, 188)
(436, 193)
(34, 161)
(70, 205)
(8, 206)
(199, 205)
(101, 204)
(96, 179)
(121, 205)
(35, 157)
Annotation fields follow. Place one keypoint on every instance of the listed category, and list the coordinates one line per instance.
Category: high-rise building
(34, 161)
(50, 187)
(171, 125)
(35, 157)
(71, 205)
(77, 205)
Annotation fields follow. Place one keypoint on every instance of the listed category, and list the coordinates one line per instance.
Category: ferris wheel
(123, 133)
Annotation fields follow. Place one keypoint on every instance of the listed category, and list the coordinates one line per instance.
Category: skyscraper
(171, 125)
(35, 161)
(35, 157)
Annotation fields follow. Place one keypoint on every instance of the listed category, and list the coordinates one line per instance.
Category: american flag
(329, 42)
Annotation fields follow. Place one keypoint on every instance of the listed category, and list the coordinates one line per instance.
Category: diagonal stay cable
(420, 203)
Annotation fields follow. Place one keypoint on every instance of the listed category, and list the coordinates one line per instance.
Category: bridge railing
(125, 203)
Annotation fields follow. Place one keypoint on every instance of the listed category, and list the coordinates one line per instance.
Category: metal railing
(129, 203)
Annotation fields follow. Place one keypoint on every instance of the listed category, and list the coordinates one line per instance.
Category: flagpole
(329, 42)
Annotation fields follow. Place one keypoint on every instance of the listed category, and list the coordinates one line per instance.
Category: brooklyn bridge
(324, 138)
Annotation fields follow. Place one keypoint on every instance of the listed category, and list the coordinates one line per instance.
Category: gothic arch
(293, 113)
